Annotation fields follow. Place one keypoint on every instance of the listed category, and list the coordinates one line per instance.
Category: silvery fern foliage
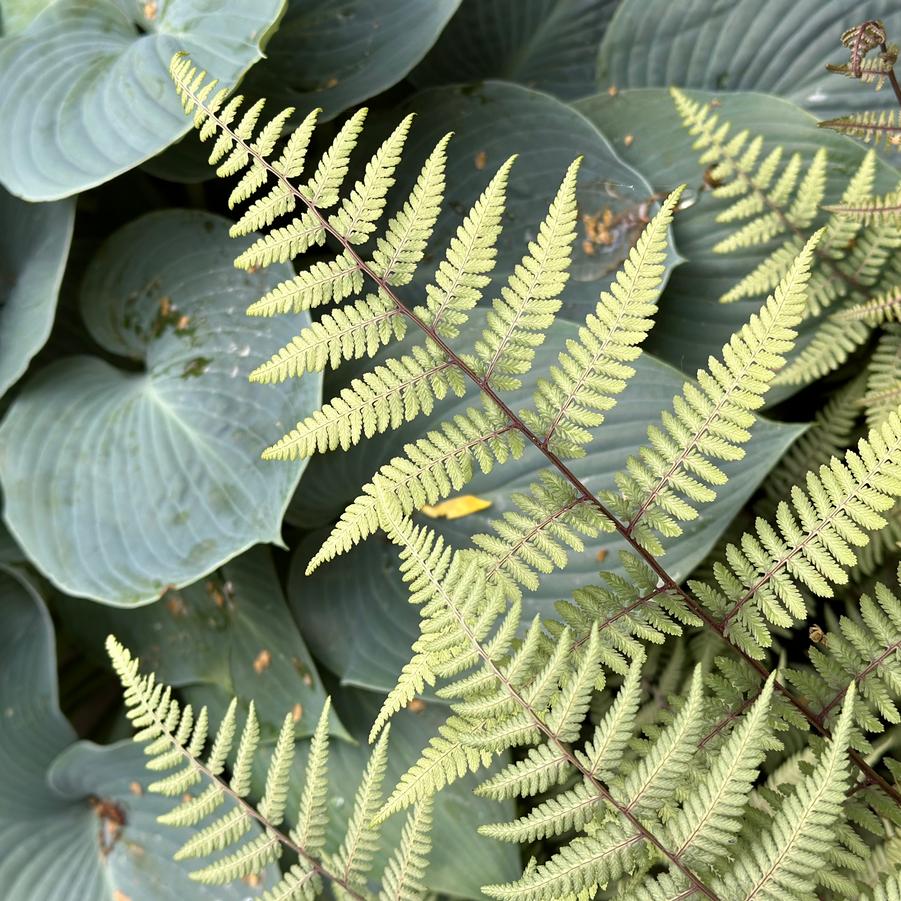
(669, 811)
(236, 839)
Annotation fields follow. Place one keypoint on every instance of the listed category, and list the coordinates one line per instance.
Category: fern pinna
(670, 815)
(251, 835)
(856, 285)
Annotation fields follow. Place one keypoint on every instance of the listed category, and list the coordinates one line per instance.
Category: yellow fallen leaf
(456, 507)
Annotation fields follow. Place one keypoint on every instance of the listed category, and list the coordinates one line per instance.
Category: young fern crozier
(676, 821)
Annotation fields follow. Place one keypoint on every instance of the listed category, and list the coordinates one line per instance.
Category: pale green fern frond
(869, 210)
(863, 649)
(783, 861)
(884, 377)
(402, 879)
(524, 312)
(595, 367)
(245, 839)
(811, 545)
(591, 372)
(833, 342)
(710, 421)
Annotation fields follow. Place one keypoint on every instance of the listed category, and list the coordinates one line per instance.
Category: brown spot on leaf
(119, 895)
(252, 879)
(330, 83)
(176, 605)
(613, 90)
(112, 819)
(182, 322)
(212, 589)
(297, 712)
(261, 661)
(150, 10)
(628, 140)
(818, 636)
(135, 789)
(417, 705)
(602, 555)
(481, 160)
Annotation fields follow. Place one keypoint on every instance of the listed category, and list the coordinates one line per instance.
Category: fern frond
(470, 256)
(355, 857)
(811, 544)
(885, 307)
(710, 422)
(873, 210)
(831, 345)
(402, 880)
(864, 651)
(880, 128)
(524, 312)
(884, 377)
(432, 467)
(393, 393)
(829, 435)
(594, 368)
(353, 331)
(782, 861)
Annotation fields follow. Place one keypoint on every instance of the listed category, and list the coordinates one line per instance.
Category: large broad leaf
(231, 632)
(121, 482)
(75, 819)
(692, 323)
(17, 14)
(86, 91)
(335, 55)
(777, 46)
(495, 120)
(550, 45)
(361, 598)
(34, 244)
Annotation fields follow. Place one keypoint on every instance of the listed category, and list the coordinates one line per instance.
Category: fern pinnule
(884, 377)
(870, 210)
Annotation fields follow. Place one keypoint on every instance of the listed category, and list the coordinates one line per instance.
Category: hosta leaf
(366, 599)
(336, 55)
(228, 635)
(87, 86)
(16, 14)
(121, 482)
(75, 819)
(692, 323)
(776, 47)
(34, 245)
(550, 45)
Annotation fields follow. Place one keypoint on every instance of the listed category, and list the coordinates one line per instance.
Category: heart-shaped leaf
(34, 245)
(231, 632)
(774, 46)
(336, 55)
(692, 323)
(366, 601)
(75, 819)
(121, 482)
(86, 90)
(550, 45)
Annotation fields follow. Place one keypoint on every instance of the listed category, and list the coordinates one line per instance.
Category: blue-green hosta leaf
(335, 55)
(121, 482)
(75, 821)
(494, 120)
(86, 90)
(16, 14)
(692, 323)
(34, 244)
(776, 46)
(550, 45)
(231, 633)
(362, 598)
